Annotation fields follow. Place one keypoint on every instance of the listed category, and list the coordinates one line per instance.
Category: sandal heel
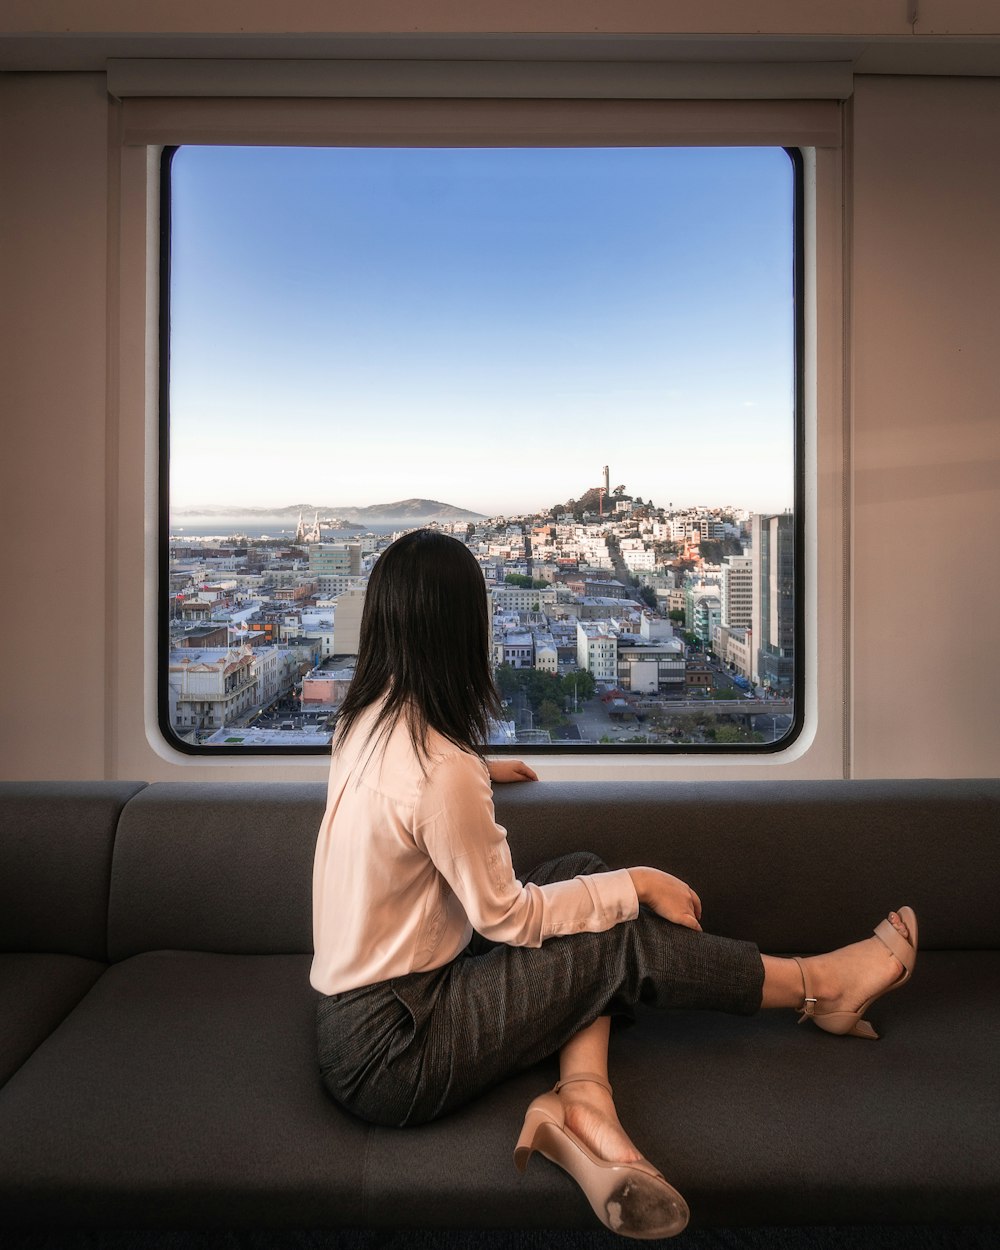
(535, 1118)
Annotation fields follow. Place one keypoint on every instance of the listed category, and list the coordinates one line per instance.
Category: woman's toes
(899, 926)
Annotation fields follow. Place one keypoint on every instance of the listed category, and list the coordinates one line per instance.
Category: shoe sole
(626, 1199)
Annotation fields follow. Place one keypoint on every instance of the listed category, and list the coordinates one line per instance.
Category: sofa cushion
(215, 866)
(36, 992)
(56, 840)
(183, 1090)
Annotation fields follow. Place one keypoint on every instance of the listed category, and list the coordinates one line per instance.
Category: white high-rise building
(737, 590)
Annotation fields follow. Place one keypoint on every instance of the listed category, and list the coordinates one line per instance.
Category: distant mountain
(402, 511)
(410, 510)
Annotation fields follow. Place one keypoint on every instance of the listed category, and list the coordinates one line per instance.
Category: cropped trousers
(410, 1049)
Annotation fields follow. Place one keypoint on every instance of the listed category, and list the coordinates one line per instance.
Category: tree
(549, 713)
(676, 614)
(581, 683)
(648, 595)
(525, 583)
(506, 680)
(736, 733)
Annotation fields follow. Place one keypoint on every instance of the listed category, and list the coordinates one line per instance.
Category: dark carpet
(821, 1237)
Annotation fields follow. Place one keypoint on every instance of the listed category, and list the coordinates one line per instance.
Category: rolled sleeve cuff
(613, 894)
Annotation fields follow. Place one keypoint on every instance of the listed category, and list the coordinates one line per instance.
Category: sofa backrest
(56, 843)
(215, 866)
(800, 866)
(793, 865)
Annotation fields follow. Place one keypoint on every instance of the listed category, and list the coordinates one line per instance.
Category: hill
(402, 511)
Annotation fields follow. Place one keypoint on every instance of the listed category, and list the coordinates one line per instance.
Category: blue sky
(486, 327)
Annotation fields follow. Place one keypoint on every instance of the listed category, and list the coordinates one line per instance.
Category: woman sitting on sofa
(442, 973)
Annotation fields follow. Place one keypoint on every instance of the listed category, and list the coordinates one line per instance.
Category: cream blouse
(407, 864)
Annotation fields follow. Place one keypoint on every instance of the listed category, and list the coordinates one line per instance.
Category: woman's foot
(845, 979)
(591, 1116)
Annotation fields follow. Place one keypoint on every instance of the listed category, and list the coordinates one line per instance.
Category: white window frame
(142, 126)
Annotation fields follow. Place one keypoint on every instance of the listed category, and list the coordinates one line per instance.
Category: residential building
(516, 649)
(707, 615)
(597, 649)
(522, 599)
(546, 653)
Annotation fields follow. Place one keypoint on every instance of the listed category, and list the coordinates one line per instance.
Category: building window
(585, 363)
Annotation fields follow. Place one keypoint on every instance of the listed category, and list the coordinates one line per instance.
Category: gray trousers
(410, 1049)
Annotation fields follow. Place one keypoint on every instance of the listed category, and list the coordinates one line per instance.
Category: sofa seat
(182, 1091)
(36, 992)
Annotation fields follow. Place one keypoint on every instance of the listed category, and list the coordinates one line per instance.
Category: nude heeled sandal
(842, 1022)
(632, 1199)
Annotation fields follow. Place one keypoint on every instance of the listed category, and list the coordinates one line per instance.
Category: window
(584, 362)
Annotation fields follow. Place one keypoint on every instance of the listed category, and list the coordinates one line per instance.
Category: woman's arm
(510, 770)
(455, 824)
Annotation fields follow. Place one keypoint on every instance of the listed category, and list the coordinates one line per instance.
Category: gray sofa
(157, 1054)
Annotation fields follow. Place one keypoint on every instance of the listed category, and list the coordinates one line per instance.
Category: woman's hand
(668, 896)
(510, 770)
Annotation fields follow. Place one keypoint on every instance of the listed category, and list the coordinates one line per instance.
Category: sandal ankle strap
(582, 1076)
(808, 1002)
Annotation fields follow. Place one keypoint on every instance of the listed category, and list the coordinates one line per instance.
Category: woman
(442, 973)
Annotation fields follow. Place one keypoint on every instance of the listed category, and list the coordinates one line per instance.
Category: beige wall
(53, 312)
(923, 286)
(926, 417)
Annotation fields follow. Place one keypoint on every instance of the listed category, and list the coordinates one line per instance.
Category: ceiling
(893, 54)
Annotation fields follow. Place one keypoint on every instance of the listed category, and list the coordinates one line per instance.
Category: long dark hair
(425, 645)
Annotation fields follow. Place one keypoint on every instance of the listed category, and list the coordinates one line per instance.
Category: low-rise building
(515, 648)
(212, 687)
(597, 649)
(655, 628)
(697, 674)
(522, 599)
(649, 668)
(546, 652)
(324, 689)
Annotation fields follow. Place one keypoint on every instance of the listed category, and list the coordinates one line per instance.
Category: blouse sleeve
(454, 824)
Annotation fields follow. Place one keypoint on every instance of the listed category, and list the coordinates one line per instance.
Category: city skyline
(417, 319)
(341, 510)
